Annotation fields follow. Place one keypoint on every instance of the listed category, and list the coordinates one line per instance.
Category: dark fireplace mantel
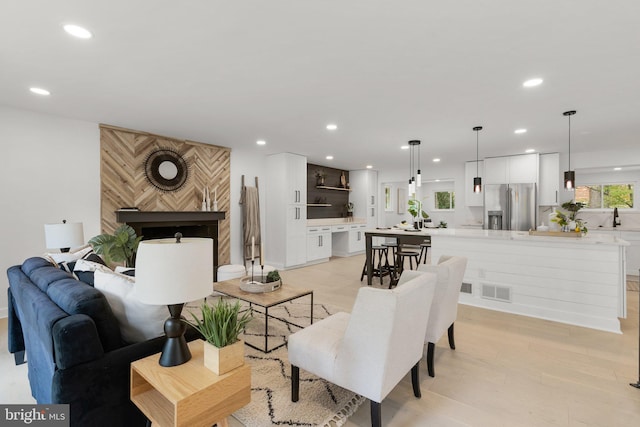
(159, 224)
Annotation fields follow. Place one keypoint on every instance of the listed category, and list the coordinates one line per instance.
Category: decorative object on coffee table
(172, 272)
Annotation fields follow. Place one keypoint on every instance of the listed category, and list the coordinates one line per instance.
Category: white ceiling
(232, 72)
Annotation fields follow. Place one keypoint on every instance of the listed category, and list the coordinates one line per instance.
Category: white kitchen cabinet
(364, 195)
(633, 251)
(496, 170)
(348, 240)
(472, 170)
(285, 234)
(511, 169)
(549, 179)
(318, 243)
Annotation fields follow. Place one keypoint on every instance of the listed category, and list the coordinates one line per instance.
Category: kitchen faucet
(616, 218)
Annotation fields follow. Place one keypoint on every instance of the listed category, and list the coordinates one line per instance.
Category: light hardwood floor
(507, 370)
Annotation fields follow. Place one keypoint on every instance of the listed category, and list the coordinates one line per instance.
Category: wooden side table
(188, 394)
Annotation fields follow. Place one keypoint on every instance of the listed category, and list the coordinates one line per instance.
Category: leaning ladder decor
(251, 235)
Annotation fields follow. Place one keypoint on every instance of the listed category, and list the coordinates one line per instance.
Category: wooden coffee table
(265, 300)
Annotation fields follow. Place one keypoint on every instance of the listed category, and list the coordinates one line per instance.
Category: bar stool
(407, 251)
(393, 268)
(424, 250)
(382, 269)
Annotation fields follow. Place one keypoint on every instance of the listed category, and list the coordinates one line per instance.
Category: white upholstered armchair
(444, 310)
(370, 350)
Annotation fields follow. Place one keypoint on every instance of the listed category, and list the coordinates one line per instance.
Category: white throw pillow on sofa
(138, 321)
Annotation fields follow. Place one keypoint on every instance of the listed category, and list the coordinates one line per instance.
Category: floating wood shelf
(324, 187)
(319, 204)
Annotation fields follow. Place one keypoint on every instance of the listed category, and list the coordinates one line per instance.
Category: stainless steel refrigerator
(510, 207)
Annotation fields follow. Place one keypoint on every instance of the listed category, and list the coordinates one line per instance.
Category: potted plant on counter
(221, 325)
(415, 209)
(570, 221)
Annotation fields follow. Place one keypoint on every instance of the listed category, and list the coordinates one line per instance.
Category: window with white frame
(444, 200)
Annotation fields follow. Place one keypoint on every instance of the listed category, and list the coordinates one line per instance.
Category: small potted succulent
(221, 325)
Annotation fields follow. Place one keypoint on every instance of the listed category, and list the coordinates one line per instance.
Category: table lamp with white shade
(173, 272)
(63, 236)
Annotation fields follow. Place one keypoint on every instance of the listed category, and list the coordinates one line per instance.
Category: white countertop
(620, 228)
(589, 239)
(334, 221)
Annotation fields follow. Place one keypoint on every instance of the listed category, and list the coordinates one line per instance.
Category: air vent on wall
(466, 288)
(498, 293)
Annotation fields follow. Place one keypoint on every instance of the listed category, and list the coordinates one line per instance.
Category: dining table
(409, 236)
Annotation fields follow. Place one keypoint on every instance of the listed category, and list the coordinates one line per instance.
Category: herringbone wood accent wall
(123, 182)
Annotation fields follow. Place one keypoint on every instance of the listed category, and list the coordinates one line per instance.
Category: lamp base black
(175, 351)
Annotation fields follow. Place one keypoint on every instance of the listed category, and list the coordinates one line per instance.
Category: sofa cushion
(84, 269)
(58, 257)
(32, 263)
(75, 297)
(138, 321)
(43, 277)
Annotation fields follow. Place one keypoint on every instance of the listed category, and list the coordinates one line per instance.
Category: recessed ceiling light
(436, 160)
(329, 157)
(532, 82)
(520, 131)
(77, 31)
(530, 150)
(369, 166)
(261, 142)
(404, 147)
(437, 180)
(617, 169)
(39, 91)
(332, 126)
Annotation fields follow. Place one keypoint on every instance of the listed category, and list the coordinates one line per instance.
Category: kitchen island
(574, 280)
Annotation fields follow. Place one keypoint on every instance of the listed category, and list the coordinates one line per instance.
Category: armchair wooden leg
(376, 414)
(452, 343)
(430, 350)
(415, 380)
(295, 383)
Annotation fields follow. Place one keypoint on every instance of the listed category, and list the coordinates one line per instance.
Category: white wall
(51, 172)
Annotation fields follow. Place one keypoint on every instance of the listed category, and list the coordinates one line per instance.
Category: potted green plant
(220, 326)
(349, 206)
(571, 220)
(415, 209)
(117, 247)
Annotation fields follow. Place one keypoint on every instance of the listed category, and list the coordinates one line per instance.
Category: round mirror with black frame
(166, 169)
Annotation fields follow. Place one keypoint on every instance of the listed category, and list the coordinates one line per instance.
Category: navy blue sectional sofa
(74, 350)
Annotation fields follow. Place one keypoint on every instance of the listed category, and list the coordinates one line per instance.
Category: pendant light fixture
(569, 175)
(414, 179)
(477, 181)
